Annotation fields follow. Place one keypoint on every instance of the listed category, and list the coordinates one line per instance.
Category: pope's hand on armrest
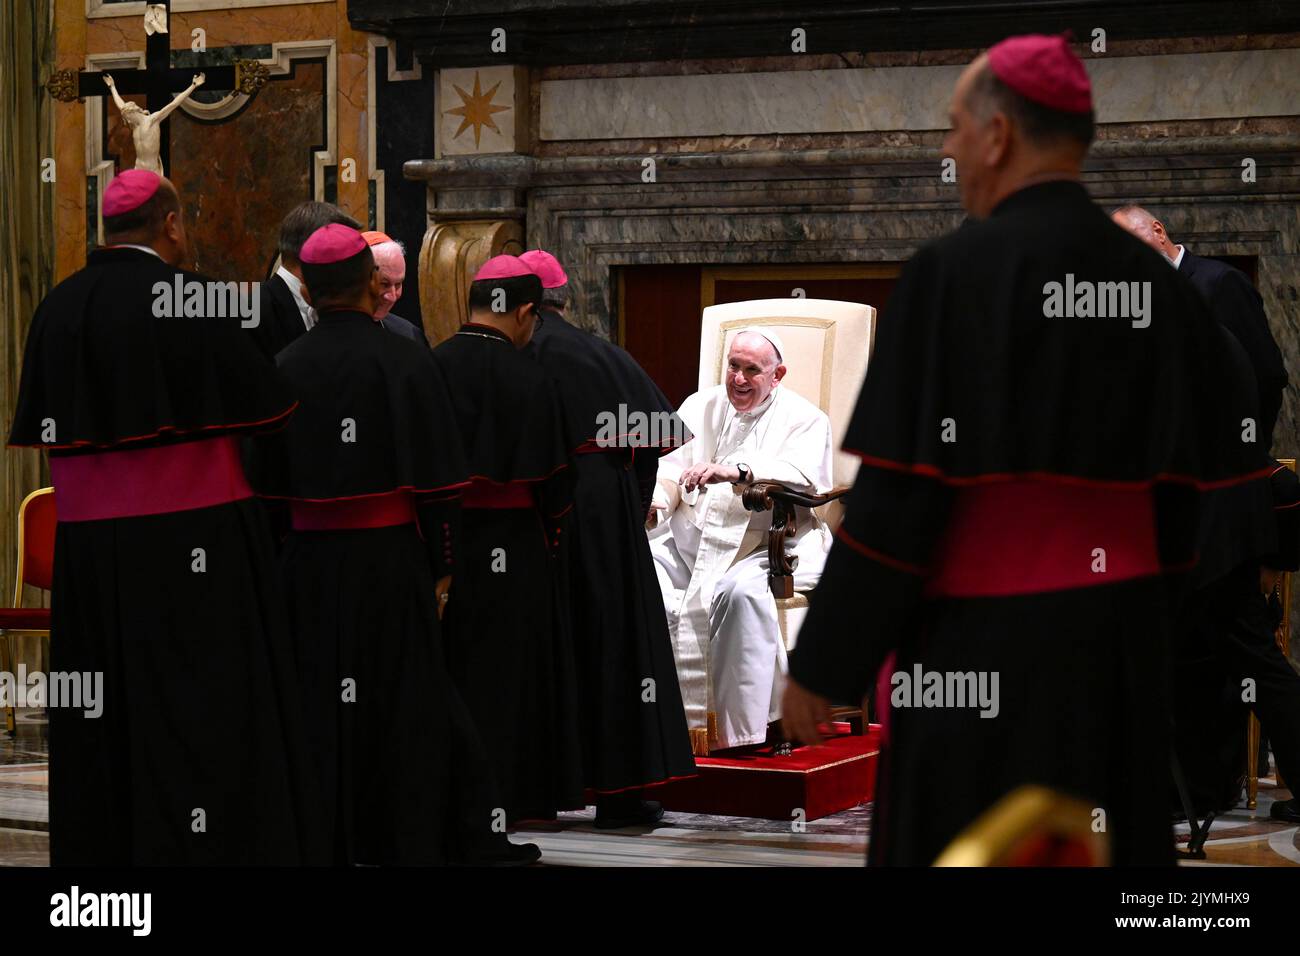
(772, 468)
(809, 471)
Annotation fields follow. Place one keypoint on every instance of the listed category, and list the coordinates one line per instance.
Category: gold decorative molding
(1016, 820)
(704, 740)
(452, 252)
(251, 76)
(710, 275)
(62, 85)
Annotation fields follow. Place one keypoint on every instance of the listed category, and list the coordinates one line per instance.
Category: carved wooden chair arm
(781, 501)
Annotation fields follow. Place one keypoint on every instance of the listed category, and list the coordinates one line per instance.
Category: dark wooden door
(659, 307)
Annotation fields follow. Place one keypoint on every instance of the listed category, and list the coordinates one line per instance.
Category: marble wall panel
(1127, 90)
(482, 110)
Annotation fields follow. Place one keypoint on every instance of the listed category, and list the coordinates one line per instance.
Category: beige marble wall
(482, 110)
(1185, 86)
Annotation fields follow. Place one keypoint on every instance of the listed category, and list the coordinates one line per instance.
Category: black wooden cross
(159, 80)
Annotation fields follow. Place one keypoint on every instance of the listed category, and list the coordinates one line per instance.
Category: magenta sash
(1030, 537)
(148, 481)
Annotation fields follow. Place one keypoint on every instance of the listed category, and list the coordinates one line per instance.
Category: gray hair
(1041, 125)
(391, 244)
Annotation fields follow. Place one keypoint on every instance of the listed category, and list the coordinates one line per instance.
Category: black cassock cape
(510, 646)
(632, 737)
(404, 778)
(971, 384)
(200, 709)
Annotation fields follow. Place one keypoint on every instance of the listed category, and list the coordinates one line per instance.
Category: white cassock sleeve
(802, 458)
(668, 491)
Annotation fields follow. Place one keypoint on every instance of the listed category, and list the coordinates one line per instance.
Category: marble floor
(1240, 837)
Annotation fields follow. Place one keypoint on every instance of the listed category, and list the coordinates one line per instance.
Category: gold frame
(709, 275)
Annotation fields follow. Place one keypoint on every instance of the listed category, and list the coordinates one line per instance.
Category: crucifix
(159, 80)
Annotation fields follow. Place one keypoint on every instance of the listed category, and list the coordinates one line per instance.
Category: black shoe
(1285, 810)
(639, 814)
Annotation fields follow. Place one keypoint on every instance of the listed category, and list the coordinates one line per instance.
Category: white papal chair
(827, 347)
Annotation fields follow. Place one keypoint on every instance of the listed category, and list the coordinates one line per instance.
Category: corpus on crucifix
(144, 124)
(159, 82)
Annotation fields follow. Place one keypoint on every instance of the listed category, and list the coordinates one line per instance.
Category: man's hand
(108, 80)
(708, 473)
(803, 713)
(199, 80)
(652, 519)
(442, 591)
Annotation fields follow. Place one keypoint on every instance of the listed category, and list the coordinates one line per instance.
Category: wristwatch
(745, 473)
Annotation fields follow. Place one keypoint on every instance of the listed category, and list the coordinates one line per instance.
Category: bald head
(1148, 228)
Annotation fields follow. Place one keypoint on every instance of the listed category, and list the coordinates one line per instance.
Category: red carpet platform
(750, 782)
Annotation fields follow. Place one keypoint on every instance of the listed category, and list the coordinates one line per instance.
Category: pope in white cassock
(712, 556)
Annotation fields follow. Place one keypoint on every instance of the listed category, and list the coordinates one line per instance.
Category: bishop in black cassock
(510, 645)
(1226, 633)
(633, 723)
(370, 467)
(165, 579)
(1033, 440)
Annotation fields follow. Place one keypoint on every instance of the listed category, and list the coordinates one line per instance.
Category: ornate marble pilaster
(452, 252)
(471, 219)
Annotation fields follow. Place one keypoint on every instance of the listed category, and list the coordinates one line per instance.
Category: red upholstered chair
(1031, 826)
(36, 522)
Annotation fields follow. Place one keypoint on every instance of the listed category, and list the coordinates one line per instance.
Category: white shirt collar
(295, 287)
(131, 245)
(1177, 260)
(738, 426)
